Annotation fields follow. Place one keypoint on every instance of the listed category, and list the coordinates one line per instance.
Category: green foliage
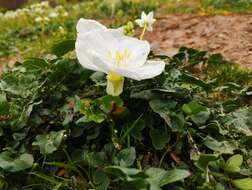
(50, 142)
(207, 7)
(234, 163)
(176, 131)
(63, 47)
(14, 165)
(243, 184)
(152, 178)
(32, 30)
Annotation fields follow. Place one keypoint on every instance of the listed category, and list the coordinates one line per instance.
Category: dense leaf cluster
(59, 129)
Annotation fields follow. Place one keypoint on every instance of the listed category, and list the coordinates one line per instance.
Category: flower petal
(86, 61)
(97, 41)
(138, 50)
(140, 22)
(143, 15)
(117, 33)
(100, 62)
(149, 70)
(150, 15)
(87, 25)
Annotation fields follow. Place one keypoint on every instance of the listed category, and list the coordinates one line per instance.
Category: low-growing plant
(62, 128)
(208, 7)
(59, 129)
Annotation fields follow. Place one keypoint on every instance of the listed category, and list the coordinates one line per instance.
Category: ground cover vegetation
(183, 129)
(208, 7)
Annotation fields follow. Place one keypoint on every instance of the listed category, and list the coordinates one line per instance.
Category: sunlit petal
(87, 25)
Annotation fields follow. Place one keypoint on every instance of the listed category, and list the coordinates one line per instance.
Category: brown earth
(229, 35)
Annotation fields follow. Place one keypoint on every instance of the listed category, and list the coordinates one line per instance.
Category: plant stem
(130, 128)
(143, 32)
(163, 156)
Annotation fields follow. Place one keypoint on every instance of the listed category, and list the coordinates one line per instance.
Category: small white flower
(53, 14)
(38, 19)
(46, 19)
(10, 14)
(110, 51)
(61, 30)
(65, 14)
(38, 10)
(146, 21)
(59, 8)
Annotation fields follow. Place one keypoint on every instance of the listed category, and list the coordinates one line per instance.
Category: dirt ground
(230, 35)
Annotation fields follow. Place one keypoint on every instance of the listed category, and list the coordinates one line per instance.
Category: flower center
(120, 57)
(146, 24)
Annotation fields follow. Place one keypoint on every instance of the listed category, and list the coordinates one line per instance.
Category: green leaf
(95, 159)
(137, 129)
(4, 106)
(24, 116)
(64, 47)
(192, 108)
(223, 147)
(166, 110)
(201, 117)
(153, 184)
(99, 78)
(106, 103)
(10, 164)
(101, 180)
(156, 174)
(240, 121)
(173, 176)
(135, 184)
(234, 163)
(123, 172)
(35, 65)
(3, 184)
(198, 113)
(49, 143)
(159, 138)
(144, 94)
(126, 157)
(159, 177)
(243, 184)
(162, 106)
(194, 80)
(204, 160)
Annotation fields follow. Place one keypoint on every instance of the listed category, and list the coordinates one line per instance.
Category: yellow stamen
(121, 57)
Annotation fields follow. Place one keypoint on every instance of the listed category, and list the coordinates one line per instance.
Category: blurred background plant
(33, 29)
(207, 7)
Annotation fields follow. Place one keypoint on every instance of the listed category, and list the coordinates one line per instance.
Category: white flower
(38, 19)
(10, 14)
(111, 52)
(38, 10)
(53, 14)
(65, 14)
(46, 19)
(146, 20)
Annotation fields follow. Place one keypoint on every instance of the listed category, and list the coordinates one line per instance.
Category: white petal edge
(150, 69)
(88, 25)
(138, 49)
(97, 41)
(150, 15)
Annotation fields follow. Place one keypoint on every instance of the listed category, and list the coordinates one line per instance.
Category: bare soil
(229, 35)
